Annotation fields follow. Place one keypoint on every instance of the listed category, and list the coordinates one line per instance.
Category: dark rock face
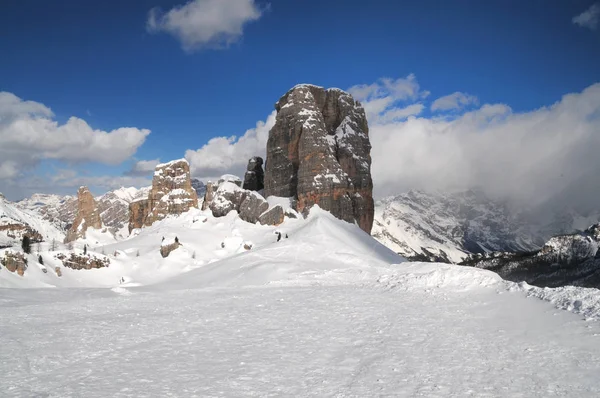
(318, 152)
(252, 207)
(273, 216)
(255, 176)
(564, 260)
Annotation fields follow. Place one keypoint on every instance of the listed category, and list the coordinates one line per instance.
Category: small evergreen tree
(84, 249)
(40, 259)
(176, 240)
(26, 244)
(53, 245)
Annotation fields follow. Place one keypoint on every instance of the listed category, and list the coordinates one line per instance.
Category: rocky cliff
(88, 215)
(318, 153)
(254, 179)
(171, 193)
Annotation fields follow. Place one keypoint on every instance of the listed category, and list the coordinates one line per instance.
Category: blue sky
(100, 62)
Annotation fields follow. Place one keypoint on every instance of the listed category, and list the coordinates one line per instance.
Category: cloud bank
(29, 134)
(202, 24)
(589, 18)
(229, 155)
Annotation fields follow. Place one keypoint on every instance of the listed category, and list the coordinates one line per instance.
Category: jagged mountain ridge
(571, 259)
(450, 226)
(113, 205)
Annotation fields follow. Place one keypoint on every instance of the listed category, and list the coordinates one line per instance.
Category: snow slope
(12, 215)
(326, 312)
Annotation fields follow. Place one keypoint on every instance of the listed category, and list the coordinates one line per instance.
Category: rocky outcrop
(138, 211)
(87, 216)
(209, 194)
(14, 262)
(274, 216)
(572, 259)
(171, 193)
(228, 196)
(252, 207)
(255, 176)
(318, 152)
(85, 261)
(165, 250)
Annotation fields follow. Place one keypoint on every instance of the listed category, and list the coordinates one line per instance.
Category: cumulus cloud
(29, 134)
(528, 157)
(230, 155)
(205, 23)
(454, 101)
(589, 18)
(383, 100)
(142, 168)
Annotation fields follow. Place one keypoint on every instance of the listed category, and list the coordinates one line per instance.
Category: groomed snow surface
(328, 312)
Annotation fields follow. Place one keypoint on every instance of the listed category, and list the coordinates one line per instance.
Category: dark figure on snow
(278, 236)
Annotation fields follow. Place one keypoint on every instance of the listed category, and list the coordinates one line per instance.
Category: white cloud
(454, 101)
(529, 157)
(230, 155)
(143, 168)
(589, 18)
(382, 98)
(205, 23)
(29, 134)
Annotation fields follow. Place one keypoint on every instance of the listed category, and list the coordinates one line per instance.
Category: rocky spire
(318, 152)
(87, 216)
(254, 177)
(171, 193)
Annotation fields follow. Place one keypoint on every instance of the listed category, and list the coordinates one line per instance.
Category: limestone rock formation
(87, 216)
(14, 262)
(318, 152)
(165, 250)
(254, 177)
(252, 207)
(171, 193)
(209, 194)
(228, 196)
(273, 216)
(82, 261)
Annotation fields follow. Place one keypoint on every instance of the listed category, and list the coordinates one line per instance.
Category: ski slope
(326, 312)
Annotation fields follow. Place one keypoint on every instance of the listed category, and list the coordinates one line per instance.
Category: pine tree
(40, 259)
(53, 245)
(26, 244)
(84, 249)
(176, 240)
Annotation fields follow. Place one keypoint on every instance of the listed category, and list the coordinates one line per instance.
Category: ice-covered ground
(327, 312)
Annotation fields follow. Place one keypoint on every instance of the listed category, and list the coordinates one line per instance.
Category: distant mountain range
(449, 227)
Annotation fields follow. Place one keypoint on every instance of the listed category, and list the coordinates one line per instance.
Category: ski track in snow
(338, 341)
